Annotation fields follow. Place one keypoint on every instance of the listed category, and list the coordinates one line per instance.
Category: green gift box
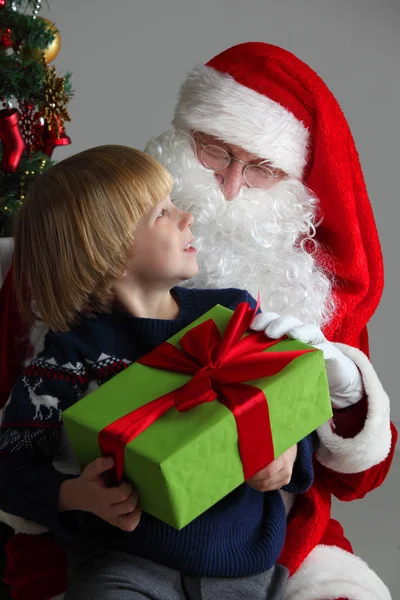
(185, 462)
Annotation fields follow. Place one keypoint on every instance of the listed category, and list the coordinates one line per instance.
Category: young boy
(99, 251)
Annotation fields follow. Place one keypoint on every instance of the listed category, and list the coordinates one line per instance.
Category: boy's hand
(276, 474)
(117, 505)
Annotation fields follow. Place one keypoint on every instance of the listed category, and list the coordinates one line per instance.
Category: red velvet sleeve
(353, 486)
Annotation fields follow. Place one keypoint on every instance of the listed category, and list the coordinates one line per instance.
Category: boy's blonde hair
(75, 229)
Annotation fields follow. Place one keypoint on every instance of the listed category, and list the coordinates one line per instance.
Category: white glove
(345, 383)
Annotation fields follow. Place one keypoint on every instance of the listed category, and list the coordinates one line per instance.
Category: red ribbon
(219, 365)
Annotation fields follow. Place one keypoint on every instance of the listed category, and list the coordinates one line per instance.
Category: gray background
(128, 58)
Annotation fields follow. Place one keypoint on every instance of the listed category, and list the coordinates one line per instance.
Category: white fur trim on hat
(216, 104)
(372, 444)
(331, 572)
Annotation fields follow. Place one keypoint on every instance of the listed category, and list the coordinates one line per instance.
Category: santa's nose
(231, 180)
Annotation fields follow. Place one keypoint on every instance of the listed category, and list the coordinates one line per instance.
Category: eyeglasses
(262, 175)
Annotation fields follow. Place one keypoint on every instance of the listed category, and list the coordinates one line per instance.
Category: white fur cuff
(331, 572)
(372, 444)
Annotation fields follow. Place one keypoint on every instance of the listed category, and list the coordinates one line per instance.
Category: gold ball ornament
(51, 51)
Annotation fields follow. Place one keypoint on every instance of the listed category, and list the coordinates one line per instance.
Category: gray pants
(102, 575)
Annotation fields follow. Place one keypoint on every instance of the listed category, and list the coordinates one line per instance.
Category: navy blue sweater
(241, 535)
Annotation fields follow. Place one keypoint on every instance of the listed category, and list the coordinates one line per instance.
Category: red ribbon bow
(219, 366)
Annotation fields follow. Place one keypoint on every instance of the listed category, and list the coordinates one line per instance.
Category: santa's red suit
(267, 101)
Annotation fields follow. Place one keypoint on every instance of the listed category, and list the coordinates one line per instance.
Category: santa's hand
(345, 383)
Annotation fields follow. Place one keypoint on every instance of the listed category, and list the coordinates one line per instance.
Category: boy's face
(162, 251)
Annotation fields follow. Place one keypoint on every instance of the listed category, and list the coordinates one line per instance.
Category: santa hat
(270, 103)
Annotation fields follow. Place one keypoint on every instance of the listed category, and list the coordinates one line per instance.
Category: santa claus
(263, 157)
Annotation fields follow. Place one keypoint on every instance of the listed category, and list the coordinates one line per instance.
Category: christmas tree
(33, 102)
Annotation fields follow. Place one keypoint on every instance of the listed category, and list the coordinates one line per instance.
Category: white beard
(256, 242)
